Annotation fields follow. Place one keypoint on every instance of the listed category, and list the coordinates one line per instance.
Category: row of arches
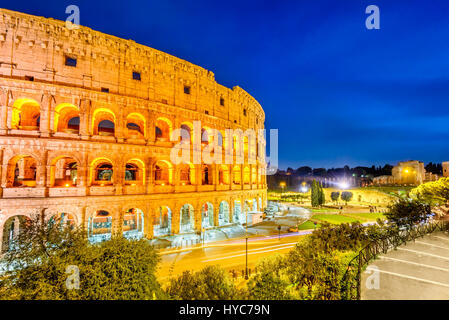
(23, 171)
(100, 223)
(26, 115)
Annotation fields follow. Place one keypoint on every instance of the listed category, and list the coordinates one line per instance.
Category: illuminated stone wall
(57, 118)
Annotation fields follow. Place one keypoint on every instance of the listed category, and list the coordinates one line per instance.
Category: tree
(335, 195)
(210, 283)
(321, 196)
(433, 193)
(315, 194)
(407, 212)
(46, 256)
(346, 196)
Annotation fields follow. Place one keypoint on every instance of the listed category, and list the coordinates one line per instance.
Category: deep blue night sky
(338, 93)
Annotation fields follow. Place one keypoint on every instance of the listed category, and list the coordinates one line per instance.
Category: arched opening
(11, 230)
(238, 216)
(254, 204)
(64, 172)
(106, 128)
(134, 172)
(186, 132)
(102, 172)
(246, 175)
(103, 122)
(223, 214)
(163, 129)
(135, 126)
(162, 222)
(206, 136)
(22, 172)
(206, 174)
(236, 175)
(207, 215)
(62, 220)
(163, 173)
(99, 226)
(67, 118)
(187, 219)
(186, 174)
(133, 224)
(25, 114)
(223, 174)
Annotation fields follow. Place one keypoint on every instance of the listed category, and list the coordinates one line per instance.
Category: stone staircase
(417, 270)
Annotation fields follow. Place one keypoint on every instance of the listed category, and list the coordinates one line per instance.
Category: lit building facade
(85, 125)
(445, 169)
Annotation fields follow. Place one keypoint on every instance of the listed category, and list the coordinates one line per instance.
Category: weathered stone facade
(85, 124)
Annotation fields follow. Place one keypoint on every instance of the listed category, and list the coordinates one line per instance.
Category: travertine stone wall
(39, 94)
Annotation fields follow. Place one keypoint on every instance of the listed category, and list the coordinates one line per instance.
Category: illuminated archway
(162, 222)
(67, 118)
(25, 114)
(21, 172)
(135, 172)
(62, 220)
(223, 174)
(12, 227)
(186, 173)
(206, 175)
(102, 171)
(163, 172)
(246, 175)
(223, 214)
(187, 219)
(64, 172)
(236, 175)
(135, 126)
(103, 122)
(99, 226)
(207, 215)
(163, 129)
(238, 216)
(133, 221)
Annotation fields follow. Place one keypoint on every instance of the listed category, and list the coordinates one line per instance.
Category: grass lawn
(318, 210)
(365, 217)
(308, 225)
(334, 218)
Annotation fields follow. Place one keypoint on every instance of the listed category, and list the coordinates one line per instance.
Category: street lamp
(246, 268)
(279, 229)
(282, 185)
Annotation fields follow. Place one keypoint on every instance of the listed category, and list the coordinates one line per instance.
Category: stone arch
(236, 175)
(163, 172)
(163, 129)
(187, 131)
(207, 174)
(99, 226)
(67, 118)
(224, 176)
(134, 171)
(101, 171)
(187, 219)
(133, 223)
(162, 222)
(187, 173)
(11, 229)
(207, 215)
(246, 175)
(223, 213)
(136, 125)
(103, 122)
(22, 171)
(64, 171)
(25, 114)
(238, 215)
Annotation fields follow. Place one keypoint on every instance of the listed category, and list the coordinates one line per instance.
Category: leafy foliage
(407, 212)
(335, 195)
(43, 251)
(210, 283)
(434, 192)
(346, 196)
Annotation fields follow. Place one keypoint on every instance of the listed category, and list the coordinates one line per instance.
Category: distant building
(408, 172)
(446, 169)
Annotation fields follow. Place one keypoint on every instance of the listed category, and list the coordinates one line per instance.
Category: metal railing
(350, 288)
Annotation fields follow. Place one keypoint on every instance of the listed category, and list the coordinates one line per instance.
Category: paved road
(418, 270)
(230, 254)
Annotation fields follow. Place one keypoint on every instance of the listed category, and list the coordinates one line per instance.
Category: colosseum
(86, 121)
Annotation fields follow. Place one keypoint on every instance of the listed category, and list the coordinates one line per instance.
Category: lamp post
(279, 229)
(246, 263)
